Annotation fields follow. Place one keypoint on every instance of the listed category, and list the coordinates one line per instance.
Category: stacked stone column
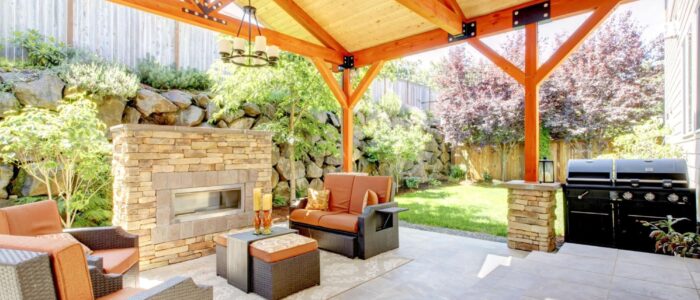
(531, 215)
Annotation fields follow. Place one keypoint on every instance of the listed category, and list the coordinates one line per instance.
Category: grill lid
(665, 173)
(590, 171)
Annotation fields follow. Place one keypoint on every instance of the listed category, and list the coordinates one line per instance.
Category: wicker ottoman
(284, 265)
(25, 275)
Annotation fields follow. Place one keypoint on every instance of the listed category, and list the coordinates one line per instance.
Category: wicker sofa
(70, 277)
(350, 227)
(115, 252)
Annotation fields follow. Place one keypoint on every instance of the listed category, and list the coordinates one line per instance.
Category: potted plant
(669, 241)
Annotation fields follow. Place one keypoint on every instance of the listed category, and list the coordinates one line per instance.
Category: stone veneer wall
(150, 161)
(531, 216)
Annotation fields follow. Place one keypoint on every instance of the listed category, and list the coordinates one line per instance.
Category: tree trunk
(503, 161)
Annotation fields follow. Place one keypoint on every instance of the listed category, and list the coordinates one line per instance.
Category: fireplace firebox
(206, 202)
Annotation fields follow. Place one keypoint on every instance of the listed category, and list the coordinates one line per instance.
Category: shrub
(279, 201)
(487, 178)
(412, 182)
(65, 149)
(457, 174)
(44, 52)
(434, 182)
(646, 141)
(100, 79)
(169, 77)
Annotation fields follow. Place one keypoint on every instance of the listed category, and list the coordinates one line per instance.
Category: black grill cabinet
(605, 201)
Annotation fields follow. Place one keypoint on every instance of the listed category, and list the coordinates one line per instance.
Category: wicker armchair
(115, 251)
(30, 269)
(350, 228)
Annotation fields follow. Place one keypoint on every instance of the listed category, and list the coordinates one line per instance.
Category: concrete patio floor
(453, 267)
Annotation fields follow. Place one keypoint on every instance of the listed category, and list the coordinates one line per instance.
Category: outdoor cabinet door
(590, 221)
(635, 236)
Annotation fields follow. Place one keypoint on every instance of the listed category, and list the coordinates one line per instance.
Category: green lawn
(465, 207)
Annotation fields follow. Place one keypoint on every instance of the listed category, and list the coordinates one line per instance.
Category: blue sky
(648, 13)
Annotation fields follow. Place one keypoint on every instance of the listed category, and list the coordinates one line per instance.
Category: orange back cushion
(379, 184)
(68, 264)
(341, 188)
(31, 219)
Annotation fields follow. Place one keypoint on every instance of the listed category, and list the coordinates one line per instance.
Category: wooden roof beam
(487, 25)
(173, 9)
(332, 83)
(454, 6)
(365, 83)
(310, 25)
(437, 13)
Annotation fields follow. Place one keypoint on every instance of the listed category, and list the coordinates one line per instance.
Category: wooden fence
(481, 160)
(411, 94)
(113, 31)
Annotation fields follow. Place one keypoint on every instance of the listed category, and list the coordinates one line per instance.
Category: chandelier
(246, 53)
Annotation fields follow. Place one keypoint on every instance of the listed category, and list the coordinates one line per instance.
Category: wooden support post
(532, 111)
(348, 125)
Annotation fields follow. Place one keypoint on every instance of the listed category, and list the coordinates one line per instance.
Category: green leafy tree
(293, 92)
(65, 150)
(393, 143)
(43, 52)
(646, 140)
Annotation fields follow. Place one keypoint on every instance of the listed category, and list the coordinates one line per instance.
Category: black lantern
(546, 171)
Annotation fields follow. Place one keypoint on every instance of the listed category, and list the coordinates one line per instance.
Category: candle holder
(257, 222)
(257, 206)
(267, 222)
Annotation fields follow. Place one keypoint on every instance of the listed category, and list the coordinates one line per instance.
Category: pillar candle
(267, 202)
(257, 199)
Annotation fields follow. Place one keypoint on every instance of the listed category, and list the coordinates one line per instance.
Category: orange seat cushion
(379, 184)
(341, 189)
(342, 222)
(310, 217)
(118, 261)
(68, 264)
(124, 293)
(282, 247)
(31, 219)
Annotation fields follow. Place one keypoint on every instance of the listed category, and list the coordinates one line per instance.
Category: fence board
(115, 32)
(481, 160)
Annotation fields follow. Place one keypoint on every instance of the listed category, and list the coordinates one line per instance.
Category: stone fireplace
(177, 187)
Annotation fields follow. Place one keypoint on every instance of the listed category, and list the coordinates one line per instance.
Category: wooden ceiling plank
(173, 9)
(576, 39)
(437, 13)
(310, 24)
(454, 6)
(499, 60)
(487, 25)
(365, 83)
(330, 80)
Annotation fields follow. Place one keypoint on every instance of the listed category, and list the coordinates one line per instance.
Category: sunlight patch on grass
(477, 208)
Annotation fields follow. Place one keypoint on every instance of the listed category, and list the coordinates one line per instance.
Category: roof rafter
(454, 6)
(487, 25)
(437, 13)
(173, 9)
(310, 25)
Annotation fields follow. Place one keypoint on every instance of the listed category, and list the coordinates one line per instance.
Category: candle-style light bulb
(260, 44)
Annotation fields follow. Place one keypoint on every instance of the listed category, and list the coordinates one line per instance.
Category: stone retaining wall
(151, 161)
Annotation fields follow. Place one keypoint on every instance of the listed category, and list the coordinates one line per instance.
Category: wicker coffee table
(238, 259)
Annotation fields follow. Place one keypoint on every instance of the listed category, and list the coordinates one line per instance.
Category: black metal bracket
(348, 62)
(532, 14)
(468, 31)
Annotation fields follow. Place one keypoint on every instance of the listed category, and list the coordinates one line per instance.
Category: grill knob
(673, 198)
(649, 197)
(627, 195)
(614, 195)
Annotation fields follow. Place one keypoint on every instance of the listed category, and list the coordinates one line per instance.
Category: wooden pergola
(340, 35)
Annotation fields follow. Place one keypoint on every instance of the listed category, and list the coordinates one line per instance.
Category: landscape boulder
(313, 171)
(191, 116)
(251, 109)
(111, 109)
(201, 99)
(179, 98)
(8, 102)
(149, 102)
(44, 92)
(242, 123)
(6, 173)
(285, 170)
(131, 116)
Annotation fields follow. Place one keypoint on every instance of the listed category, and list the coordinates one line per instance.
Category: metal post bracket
(532, 14)
(468, 31)
(348, 62)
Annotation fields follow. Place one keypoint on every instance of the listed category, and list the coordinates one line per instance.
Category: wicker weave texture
(25, 275)
(283, 278)
(101, 238)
